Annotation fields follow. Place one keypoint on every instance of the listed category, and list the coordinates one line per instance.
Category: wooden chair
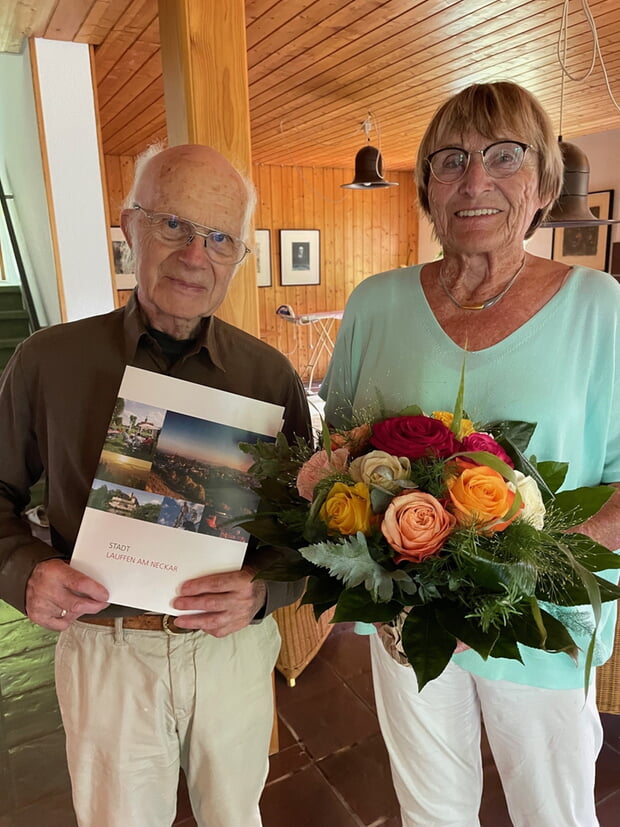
(302, 637)
(608, 680)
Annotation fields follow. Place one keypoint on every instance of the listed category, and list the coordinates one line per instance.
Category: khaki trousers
(544, 742)
(137, 705)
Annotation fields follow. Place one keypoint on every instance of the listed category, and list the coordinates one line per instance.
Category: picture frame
(262, 244)
(587, 246)
(299, 257)
(123, 270)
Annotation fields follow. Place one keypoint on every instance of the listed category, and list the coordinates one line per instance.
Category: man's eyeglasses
(179, 232)
(500, 159)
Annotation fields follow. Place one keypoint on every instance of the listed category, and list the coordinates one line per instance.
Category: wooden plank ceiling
(317, 68)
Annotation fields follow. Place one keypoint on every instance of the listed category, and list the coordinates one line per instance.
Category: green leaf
(593, 555)
(322, 589)
(555, 637)
(457, 416)
(411, 410)
(506, 647)
(427, 644)
(321, 608)
(517, 433)
(493, 575)
(583, 503)
(326, 439)
(269, 531)
(356, 604)
(349, 560)
(553, 473)
(453, 618)
(576, 594)
(380, 499)
(285, 570)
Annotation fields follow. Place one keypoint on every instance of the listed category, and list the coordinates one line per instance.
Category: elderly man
(138, 702)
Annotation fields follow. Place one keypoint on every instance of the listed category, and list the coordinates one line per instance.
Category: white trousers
(544, 742)
(137, 705)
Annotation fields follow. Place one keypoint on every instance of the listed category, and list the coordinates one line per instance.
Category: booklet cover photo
(170, 484)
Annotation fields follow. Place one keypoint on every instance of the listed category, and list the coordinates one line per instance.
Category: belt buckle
(166, 620)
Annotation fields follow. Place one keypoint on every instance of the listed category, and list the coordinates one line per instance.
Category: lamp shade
(368, 171)
(571, 209)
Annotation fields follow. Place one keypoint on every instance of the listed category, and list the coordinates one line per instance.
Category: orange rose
(416, 525)
(355, 440)
(347, 509)
(480, 496)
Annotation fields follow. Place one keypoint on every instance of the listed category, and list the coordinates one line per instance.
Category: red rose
(414, 437)
(485, 442)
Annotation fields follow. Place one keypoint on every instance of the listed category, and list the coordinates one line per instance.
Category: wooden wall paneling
(264, 220)
(29, 16)
(146, 121)
(139, 15)
(150, 134)
(66, 20)
(101, 18)
(114, 182)
(114, 116)
(140, 65)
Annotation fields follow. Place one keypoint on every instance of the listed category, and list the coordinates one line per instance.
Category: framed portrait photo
(262, 243)
(299, 257)
(123, 266)
(587, 246)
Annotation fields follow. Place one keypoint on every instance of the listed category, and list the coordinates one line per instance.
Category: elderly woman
(542, 344)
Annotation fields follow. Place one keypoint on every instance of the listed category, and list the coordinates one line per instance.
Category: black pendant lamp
(368, 166)
(368, 171)
(571, 209)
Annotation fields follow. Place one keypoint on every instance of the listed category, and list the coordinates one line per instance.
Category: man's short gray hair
(153, 150)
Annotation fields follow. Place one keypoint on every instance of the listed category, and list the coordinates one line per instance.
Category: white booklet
(170, 482)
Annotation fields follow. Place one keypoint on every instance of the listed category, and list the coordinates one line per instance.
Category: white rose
(533, 507)
(381, 469)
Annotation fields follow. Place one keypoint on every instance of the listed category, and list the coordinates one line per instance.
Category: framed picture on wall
(123, 265)
(299, 257)
(587, 246)
(262, 244)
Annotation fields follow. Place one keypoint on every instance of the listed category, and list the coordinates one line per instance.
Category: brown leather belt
(151, 623)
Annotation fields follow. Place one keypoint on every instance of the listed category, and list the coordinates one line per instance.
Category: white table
(320, 325)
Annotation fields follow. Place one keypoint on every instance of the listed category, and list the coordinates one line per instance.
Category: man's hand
(227, 602)
(56, 594)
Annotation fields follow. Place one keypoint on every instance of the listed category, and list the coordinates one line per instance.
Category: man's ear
(127, 217)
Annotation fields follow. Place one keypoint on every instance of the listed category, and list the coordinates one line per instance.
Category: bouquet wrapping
(440, 526)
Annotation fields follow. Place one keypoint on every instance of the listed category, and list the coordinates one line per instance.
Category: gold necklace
(488, 302)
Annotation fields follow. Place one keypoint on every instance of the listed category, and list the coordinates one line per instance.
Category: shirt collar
(135, 328)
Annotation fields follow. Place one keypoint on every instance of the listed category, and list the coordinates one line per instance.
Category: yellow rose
(347, 509)
(481, 497)
(467, 426)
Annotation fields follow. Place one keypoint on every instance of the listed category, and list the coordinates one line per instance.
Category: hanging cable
(562, 50)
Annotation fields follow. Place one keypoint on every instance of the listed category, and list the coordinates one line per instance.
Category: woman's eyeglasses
(500, 159)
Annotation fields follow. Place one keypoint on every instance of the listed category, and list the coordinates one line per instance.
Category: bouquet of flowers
(440, 519)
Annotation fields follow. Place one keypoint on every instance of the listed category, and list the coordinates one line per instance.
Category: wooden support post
(203, 49)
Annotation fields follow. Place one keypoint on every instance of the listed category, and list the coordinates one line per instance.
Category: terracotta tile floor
(331, 769)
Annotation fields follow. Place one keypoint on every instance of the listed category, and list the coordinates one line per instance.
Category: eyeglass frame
(469, 152)
(195, 231)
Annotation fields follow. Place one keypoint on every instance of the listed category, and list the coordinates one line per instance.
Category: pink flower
(416, 525)
(485, 442)
(317, 468)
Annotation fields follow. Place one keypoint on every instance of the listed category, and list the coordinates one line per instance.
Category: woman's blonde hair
(496, 110)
